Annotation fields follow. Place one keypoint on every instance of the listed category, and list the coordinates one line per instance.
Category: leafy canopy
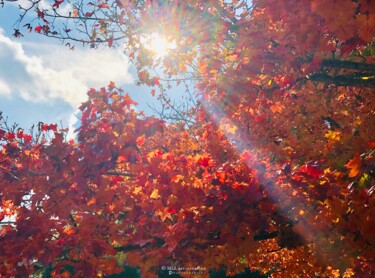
(271, 169)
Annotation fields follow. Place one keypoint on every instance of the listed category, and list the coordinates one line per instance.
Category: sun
(158, 44)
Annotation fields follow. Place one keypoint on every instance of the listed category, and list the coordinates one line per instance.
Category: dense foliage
(272, 169)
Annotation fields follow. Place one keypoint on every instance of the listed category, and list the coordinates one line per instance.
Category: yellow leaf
(336, 220)
(137, 189)
(333, 135)
(364, 180)
(155, 194)
(229, 128)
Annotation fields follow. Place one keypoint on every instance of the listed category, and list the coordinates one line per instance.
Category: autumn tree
(274, 173)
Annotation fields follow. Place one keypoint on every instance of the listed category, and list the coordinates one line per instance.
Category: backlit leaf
(354, 165)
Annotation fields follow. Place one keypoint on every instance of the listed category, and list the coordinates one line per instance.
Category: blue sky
(42, 80)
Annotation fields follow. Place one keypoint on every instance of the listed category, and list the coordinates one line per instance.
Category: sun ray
(158, 44)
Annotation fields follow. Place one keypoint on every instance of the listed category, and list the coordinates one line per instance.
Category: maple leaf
(155, 194)
(110, 41)
(103, 6)
(57, 3)
(141, 140)
(229, 128)
(371, 144)
(177, 178)
(40, 13)
(205, 161)
(333, 135)
(164, 214)
(39, 28)
(156, 81)
(354, 165)
(277, 107)
(312, 170)
(10, 136)
(111, 85)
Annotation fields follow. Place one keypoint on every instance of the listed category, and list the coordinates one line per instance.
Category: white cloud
(4, 88)
(40, 72)
(43, 4)
(73, 120)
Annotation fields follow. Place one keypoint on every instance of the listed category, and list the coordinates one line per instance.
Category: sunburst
(158, 44)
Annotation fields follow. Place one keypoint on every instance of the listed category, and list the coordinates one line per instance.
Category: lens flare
(158, 44)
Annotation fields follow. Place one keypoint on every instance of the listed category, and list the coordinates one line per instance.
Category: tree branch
(113, 173)
(158, 242)
(344, 80)
(263, 235)
(348, 65)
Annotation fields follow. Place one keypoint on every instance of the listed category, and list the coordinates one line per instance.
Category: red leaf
(103, 6)
(44, 127)
(91, 92)
(53, 127)
(38, 28)
(155, 81)
(20, 134)
(40, 13)
(371, 144)
(110, 41)
(10, 136)
(311, 170)
(27, 138)
(205, 161)
(57, 4)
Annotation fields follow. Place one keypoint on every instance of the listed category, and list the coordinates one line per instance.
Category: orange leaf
(111, 85)
(354, 165)
(277, 107)
(92, 201)
(141, 140)
(177, 178)
(221, 176)
(164, 214)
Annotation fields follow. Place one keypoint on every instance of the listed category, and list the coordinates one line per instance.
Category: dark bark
(349, 65)
(344, 80)
(263, 235)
